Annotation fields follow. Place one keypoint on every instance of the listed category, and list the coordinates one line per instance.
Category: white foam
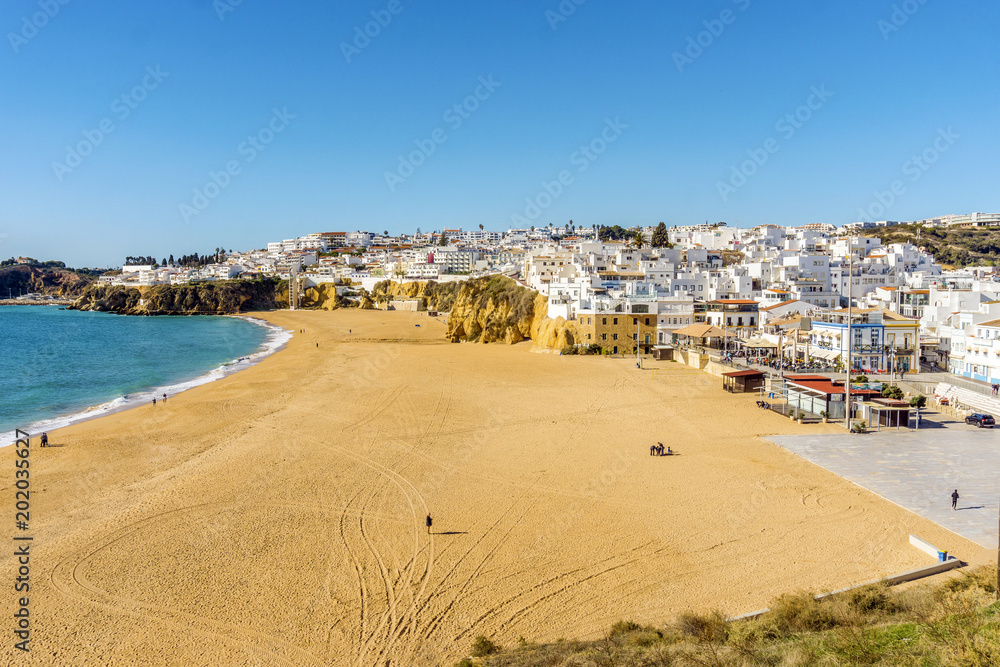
(276, 339)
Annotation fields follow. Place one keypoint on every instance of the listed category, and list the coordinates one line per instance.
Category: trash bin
(942, 556)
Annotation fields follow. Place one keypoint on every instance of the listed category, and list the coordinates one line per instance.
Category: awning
(829, 355)
(758, 342)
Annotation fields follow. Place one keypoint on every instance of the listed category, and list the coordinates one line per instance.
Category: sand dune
(277, 516)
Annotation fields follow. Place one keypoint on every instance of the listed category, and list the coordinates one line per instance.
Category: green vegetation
(918, 401)
(949, 246)
(44, 278)
(615, 233)
(892, 392)
(954, 623)
(661, 239)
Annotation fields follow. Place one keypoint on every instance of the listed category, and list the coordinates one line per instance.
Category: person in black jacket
(954, 499)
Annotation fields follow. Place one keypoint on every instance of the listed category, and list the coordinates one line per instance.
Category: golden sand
(277, 516)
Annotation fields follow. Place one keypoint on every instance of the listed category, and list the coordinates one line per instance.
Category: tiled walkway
(919, 469)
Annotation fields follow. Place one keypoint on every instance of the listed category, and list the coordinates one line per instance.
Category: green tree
(661, 239)
(637, 239)
(444, 239)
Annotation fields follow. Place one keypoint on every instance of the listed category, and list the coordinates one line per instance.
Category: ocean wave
(277, 338)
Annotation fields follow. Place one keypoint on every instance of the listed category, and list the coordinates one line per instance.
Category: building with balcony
(880, 340)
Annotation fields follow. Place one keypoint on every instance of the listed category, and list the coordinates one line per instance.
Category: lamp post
(850, 291)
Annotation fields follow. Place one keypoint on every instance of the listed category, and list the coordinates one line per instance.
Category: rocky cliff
(498, 310)
(54, 282)
(213, 298)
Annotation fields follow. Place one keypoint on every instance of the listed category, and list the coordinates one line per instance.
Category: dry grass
(954, 623)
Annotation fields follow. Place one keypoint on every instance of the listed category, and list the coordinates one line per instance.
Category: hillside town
(766, 292)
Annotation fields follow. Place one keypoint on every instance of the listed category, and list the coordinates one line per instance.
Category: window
(616, 320)
(647, 321)
(588, 336)
(635, 336)
(635, 321)
(614, 336)
(588, 321)
(604, 320)
(604, 336)
(615, 351)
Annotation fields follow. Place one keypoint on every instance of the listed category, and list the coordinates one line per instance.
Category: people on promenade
(954, 499)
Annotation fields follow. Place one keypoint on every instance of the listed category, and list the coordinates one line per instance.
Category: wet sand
(277, 516)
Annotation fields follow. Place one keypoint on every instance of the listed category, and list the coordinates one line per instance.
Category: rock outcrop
(53, 282)
(498, 310)
(214, 298)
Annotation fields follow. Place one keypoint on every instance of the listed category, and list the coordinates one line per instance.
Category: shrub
(623, 628)
(569, 349)
(892, 392)
(861, 378)
(873, 599)
(705, 627)
(482, 647)
(801, 613)
(918, 401)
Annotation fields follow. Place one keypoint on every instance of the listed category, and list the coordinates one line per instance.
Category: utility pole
(850, 290)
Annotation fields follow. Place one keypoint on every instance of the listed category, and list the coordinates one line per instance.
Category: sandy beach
(276, 516)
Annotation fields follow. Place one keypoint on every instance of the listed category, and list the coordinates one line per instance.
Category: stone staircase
(966, 400)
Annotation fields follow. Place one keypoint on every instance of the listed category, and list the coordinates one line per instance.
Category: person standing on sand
(154, 401)
(652, 450)
(45, 439)
(954, 499)
(164, 398)
(429, 524)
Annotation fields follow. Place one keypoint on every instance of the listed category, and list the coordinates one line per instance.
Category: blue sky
(681, 109)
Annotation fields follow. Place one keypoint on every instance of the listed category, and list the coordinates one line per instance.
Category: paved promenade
(919, 469)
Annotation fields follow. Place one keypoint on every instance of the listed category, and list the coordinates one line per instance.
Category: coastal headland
(277, 516)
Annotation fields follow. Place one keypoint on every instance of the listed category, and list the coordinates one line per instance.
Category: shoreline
(315, 472)
(276, 341)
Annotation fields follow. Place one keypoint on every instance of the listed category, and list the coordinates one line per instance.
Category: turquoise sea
(58, 366)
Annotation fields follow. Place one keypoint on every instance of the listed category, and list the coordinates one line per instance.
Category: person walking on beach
(652, 450)
(954, 499)
(45, 439)
(154, 401)
(429, 524)
(164, 398)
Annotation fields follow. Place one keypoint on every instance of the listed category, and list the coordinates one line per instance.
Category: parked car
(980, 420)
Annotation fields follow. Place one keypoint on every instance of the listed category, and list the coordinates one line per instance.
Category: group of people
(164, 399)
(659, 450)
(994, 388)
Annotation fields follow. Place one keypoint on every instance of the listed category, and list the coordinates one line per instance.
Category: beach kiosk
(743, 382)
(663, 352)
(887, 412)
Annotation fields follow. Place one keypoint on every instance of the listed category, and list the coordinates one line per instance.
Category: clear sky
(722, 110)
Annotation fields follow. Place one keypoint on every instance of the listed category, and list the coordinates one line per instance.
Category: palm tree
(637, 239)
(480, 227)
